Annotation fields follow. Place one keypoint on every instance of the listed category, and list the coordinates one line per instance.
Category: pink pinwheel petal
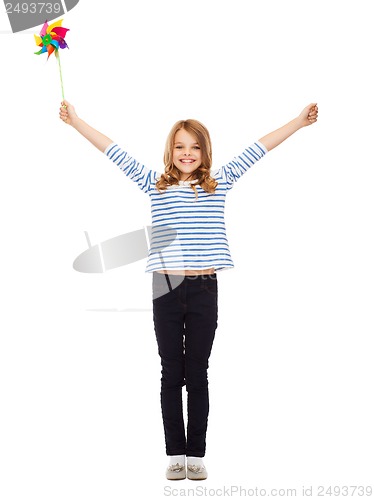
(44, 29)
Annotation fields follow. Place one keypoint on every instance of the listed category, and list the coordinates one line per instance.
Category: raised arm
(308, 116)
(70, 117)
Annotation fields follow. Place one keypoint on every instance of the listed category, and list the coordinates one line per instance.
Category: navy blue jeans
(185, 314)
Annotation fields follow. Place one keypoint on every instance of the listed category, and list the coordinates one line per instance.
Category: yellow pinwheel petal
(54, 25)
(38, 40)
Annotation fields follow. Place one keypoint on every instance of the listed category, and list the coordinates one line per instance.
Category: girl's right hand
(67, 112)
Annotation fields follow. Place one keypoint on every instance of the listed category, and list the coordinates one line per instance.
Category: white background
(292, 366)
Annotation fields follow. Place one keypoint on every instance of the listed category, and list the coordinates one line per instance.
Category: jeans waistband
(196, 277)
(201, 277)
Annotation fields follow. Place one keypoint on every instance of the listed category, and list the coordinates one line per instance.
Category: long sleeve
(231, 172)
(141, 175)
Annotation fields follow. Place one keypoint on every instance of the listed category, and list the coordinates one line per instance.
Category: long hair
(172, 175)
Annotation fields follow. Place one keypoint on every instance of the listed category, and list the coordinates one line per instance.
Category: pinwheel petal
(38, 40)
(63, 44)
(60, 31)
(41, 51)
(61, 41)
(50, 49)
(54, 25)
(43, 31)
(55, 43)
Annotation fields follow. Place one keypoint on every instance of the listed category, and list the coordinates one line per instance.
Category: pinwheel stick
(59, 65)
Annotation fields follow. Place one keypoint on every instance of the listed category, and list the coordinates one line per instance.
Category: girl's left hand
(309, 115)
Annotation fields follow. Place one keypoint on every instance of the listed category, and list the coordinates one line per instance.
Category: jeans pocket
(210, 286)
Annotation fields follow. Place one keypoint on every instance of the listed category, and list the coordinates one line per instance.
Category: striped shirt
(187, 232)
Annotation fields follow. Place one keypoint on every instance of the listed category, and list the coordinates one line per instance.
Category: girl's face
(186, 153)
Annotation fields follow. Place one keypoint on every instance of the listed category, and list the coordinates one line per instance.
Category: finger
(312, 106)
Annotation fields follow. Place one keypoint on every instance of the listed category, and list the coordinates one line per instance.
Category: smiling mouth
(187, 161)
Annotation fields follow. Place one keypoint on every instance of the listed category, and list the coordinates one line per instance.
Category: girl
(188, 245)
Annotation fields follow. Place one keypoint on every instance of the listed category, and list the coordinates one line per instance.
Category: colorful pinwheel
(51, 39)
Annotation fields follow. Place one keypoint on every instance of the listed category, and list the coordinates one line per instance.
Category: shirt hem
(216, 268)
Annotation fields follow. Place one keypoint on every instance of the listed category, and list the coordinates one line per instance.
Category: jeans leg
(169, 328)
(200, 324)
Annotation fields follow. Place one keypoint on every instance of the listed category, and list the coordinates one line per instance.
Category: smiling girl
(188, 247)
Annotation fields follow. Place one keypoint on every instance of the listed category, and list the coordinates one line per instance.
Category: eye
(178, 147)
(196, 147)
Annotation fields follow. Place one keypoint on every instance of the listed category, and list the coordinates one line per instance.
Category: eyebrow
(183, 142)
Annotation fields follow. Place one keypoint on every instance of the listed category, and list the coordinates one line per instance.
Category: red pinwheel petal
(60, 31)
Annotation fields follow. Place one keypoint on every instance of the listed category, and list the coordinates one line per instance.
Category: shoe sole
(196, 477)
(175, 476)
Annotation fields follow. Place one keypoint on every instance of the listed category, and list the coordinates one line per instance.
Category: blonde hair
(172, 175)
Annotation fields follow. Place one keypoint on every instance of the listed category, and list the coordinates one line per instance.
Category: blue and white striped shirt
(187, 233)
